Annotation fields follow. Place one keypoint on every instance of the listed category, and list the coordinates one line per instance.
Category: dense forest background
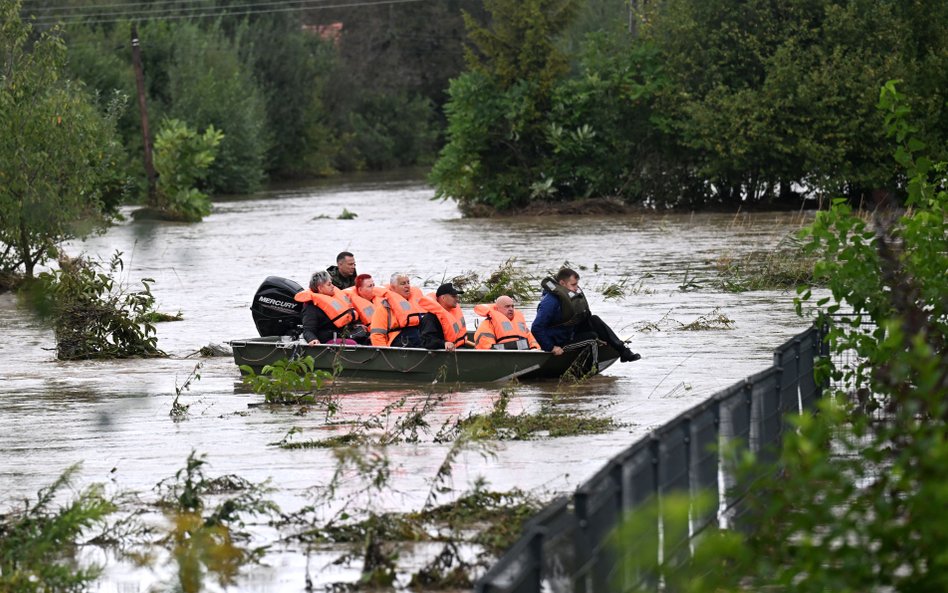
(670, 103)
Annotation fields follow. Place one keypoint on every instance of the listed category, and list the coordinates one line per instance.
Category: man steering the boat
(563, 318)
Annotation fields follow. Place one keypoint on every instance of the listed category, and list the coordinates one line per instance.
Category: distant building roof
(331, 32)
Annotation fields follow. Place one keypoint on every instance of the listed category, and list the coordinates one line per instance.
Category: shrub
(182, 158)
(92, 315)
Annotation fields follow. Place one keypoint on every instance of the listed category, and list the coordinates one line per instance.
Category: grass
(550, 421)
(158, 317)
(782, 268)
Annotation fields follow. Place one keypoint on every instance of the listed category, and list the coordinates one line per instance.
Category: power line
(147, 9)
(129, 5)
(209, 12)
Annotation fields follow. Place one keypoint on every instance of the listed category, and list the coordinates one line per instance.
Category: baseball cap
(448, 288)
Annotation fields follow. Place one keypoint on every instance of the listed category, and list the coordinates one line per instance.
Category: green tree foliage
(496, 112)
(57, 150)
(713, 103)
(293, 69)
(769, 94)
(209, 86)
(388, 131)
(182, 157)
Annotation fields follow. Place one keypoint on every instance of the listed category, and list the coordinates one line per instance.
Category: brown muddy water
(113, 416)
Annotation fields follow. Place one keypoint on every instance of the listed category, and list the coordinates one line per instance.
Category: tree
(182, 157)
(56, 148)
(770, 94)
(497, 111)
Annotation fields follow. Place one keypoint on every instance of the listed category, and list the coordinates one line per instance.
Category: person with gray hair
(328, 316)
(396, 321)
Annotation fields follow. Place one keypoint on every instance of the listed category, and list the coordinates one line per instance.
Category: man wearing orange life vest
(395, 321)
(328, 315)
(443, 327)
(365, 297)
(503, 327)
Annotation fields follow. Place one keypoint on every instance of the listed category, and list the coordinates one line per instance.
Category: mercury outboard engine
(274, 311)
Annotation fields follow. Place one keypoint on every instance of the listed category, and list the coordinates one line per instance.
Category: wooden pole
(143, 110)
(632, 28)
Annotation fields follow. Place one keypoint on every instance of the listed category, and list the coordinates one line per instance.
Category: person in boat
(443, 327)
(343, 274)
(365, 297)
(396, 319)
(328, 316)
(563, 318)
(503, 327)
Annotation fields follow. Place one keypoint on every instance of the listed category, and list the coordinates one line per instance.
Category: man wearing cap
(443, 327)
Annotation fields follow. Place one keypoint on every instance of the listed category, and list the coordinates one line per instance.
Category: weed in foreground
(38, 543)
(204, 539)
(179, 411)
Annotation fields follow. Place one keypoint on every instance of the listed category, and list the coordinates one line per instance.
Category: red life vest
(364, 307)
(338, 308)
(452, 322)
(497, 329)
(394, 313)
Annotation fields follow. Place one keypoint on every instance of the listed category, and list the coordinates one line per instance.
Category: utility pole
(632, 27)
(143, 110)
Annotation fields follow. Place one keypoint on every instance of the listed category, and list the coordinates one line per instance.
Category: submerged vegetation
(505, 280)
(92, 313)
(289, 381)
(715, 320)
(550, 421)
(785, 267)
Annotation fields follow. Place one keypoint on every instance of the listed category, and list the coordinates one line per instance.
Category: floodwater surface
(113, 416)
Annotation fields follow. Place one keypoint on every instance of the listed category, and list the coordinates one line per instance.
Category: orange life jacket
(364, 307)
(497, 329)
(452, 322)
(338, 308)
(394, 313)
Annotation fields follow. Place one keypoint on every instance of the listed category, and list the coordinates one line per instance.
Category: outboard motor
(274, 311)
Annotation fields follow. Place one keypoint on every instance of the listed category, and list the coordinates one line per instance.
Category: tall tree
(56, 148)
(497, 113)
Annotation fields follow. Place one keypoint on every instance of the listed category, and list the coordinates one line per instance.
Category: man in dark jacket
(553, 332)
(343, 274)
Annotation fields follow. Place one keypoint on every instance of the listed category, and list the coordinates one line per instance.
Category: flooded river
(113, 416)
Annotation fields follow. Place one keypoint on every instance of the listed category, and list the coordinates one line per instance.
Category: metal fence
(564, 547)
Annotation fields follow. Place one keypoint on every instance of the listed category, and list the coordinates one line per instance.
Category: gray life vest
(573, 306)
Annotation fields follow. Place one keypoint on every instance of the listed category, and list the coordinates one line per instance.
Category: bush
(182, 158)
(92, 316)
